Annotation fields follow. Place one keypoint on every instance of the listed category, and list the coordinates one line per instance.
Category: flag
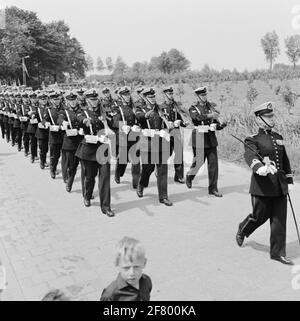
(25, 68)
(2, 19)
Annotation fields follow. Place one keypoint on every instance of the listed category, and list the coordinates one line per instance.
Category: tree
(52, 52)
(120, 66)
(109, 64)
(270, 44)
(177, 61)
(90, 62)
(100, 65)
(292, 44)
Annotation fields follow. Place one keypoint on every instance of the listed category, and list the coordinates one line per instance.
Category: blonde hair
(130, 249)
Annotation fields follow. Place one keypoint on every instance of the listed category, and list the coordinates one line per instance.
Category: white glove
(136, 128)
(126, 129)
(177, 123)
(65, 125)
(272, 169)
(291, 187)
(263, 171)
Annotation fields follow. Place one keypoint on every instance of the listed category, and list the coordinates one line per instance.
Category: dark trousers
(91, 169)
(25, 137)
(275, 209)
(127, 154)
(18, 137)
(55, 151)
(178, 159)
(33, 145)
(2, 126)
(12, 134)
(7, 131)
(69, 164)
(43, 147)
(211, 155)
(162, 174)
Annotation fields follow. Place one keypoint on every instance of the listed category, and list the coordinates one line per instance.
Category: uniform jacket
(70, 142)
(40, 132)
(31, 111)
(54, 137)
(87, 151)
(271, 144)
(198, 113)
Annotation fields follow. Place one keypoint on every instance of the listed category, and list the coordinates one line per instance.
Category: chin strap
(266, 123)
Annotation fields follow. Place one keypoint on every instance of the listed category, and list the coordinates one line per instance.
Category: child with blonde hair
(131, 284)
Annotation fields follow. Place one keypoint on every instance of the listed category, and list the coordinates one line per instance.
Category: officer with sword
(271, 182)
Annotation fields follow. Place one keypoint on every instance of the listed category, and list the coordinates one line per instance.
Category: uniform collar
(265, 131)
(121, 283)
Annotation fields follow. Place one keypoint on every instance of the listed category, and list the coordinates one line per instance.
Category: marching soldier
(11, 118)
(92, 146)
(42, 133)
(2, 111)
(6, 116)
(80, 97)
(17, 123)
(127, 134)
(140, 102)
(154, 147)
(203, 114)
(23, 116)
(33, 124)
(172, 114)
(71, 139)
(271, 181)
(50, 120)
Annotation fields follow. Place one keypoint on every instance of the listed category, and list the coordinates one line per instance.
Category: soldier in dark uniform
(91, 121)
(50, 120)
(140, 102)
(271, 179)
(203, 113)
(42, 133)
(6, 116)
(11, 118)
(23, 116)
(154, 147)
(172, 114)
(127, 135)
(17, 124)
(33, 124)
(2, 111)
(81, 100)
(71, 139)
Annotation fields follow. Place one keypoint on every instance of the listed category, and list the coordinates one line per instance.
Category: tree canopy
(50, 49)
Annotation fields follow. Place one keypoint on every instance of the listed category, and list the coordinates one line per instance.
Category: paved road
(49, 240)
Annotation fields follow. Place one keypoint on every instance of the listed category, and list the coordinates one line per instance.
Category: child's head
(131, 260)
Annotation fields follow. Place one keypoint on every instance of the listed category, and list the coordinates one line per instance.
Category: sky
(224, 34)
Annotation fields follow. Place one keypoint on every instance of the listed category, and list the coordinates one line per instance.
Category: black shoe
(26, 154)
(86, 202)
(282, 259)
(166, 202)
(239, 237)
(92, 197)
(53, 174)
(109, 213)
(215, 193)
(140, 191)
(68, 188)
(65, 181)
(46, 165)
(32, 160)
(188, 181)
(19, 149)
(117, 179)
(179, 180)
(42, 165)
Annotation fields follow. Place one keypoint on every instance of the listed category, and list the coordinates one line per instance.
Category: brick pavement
(48, 239)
